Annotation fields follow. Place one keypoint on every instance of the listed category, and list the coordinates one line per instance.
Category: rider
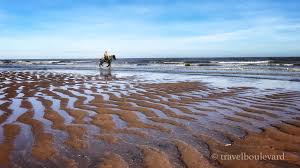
(106, 55)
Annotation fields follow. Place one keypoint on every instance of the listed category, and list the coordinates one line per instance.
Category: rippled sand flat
(70, 120)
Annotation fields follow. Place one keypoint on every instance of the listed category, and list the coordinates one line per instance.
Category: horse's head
(114, 57)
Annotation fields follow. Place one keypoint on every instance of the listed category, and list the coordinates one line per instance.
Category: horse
(108, 61)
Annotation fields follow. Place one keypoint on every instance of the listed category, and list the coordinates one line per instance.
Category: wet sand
(52, 119)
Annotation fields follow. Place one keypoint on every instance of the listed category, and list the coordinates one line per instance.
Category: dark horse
(108, 61)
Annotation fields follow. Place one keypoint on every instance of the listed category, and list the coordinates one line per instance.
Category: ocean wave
(172, 62)
(242, 62)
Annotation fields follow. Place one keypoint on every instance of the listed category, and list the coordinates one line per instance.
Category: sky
(48, 29)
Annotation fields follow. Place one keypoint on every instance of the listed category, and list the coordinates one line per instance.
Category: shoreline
(216, 80)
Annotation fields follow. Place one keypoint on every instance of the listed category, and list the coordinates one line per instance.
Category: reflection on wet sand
(106, 74)
(59, 119)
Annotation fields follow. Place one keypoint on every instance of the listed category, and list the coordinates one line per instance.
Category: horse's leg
(101, 62)
(109, 62)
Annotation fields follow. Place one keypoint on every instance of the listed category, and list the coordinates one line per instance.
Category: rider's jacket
(106, 56)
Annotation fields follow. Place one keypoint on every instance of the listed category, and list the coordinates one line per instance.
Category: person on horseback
(105, 57)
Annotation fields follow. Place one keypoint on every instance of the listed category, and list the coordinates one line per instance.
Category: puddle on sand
(16, 111)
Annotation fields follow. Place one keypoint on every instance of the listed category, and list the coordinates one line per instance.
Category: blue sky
(203, 28)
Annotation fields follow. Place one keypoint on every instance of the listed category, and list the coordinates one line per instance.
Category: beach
(149, 84)
(107, 119)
